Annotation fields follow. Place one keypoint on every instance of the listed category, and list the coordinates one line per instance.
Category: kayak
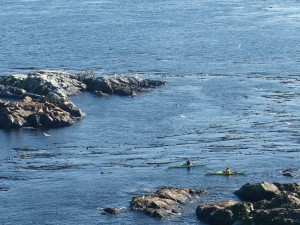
(184, 165)
(224, 173)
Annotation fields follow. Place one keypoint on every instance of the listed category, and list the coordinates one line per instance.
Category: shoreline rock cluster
(265, 204)
(43, 96)
(165, 202)
(262, 204)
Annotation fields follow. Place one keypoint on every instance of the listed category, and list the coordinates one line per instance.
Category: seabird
(47, 135)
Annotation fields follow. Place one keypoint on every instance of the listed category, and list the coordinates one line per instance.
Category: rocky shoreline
(262, 204)
(40, 99)
(265, 204)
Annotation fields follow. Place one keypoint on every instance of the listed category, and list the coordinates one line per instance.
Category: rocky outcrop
(36, 113)
(289, 187)
(256, 192)
(119, 85)
(45, 95)
(113, 210)
(274, 204)
(41, 83)
(165, 201)
(225, 212)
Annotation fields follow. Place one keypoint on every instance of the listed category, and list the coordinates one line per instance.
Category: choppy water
(231, 99)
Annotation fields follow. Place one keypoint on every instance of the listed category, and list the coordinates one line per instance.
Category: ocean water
(231, 99)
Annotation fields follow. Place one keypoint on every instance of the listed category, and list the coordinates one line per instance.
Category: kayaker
(228, 170)
(188, 162)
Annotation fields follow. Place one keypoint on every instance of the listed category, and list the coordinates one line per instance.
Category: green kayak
(184, 165)
(224, 173)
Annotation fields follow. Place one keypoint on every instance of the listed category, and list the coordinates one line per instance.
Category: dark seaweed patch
(25, 149)
(3, 188)
(53, 167)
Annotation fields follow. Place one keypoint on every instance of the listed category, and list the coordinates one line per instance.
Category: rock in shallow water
(283, 208)
(224, 212)
(165, 201)
(45, 96)
(119, 85)
(258, 191)
(36, 113)
(113, 210)
(291, 172)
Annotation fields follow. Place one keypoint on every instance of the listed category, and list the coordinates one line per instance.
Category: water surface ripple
(231, 99)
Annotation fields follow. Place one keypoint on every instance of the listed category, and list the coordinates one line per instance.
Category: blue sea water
(231, 99)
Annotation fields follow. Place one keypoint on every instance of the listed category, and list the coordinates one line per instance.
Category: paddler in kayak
(227, 171)
(188, 162)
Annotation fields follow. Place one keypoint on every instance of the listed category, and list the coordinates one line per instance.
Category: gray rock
(165, 202)
(54, 98)
(72, 109)
(281, 209)
(100, 94)
(86, 77)
(288, 174)
(59, 82)
(6, 120)
(41, 83)
(11, 92)
(120, 85)
(217, 212)
(45, 96)
(63, 121)
(258, 191)
(35, 113)
(46, 120)
(290, 187)
(291, 172)
(34, 120)
(112, 210)
(19, 122)
(284, 200)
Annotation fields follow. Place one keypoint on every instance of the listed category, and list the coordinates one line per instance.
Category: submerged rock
(45, 95)
(291, 172)
(165, 201)
(113, 210)
(275, 204)
(3, 188)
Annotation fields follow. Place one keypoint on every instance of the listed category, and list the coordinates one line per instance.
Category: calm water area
(232, 98)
